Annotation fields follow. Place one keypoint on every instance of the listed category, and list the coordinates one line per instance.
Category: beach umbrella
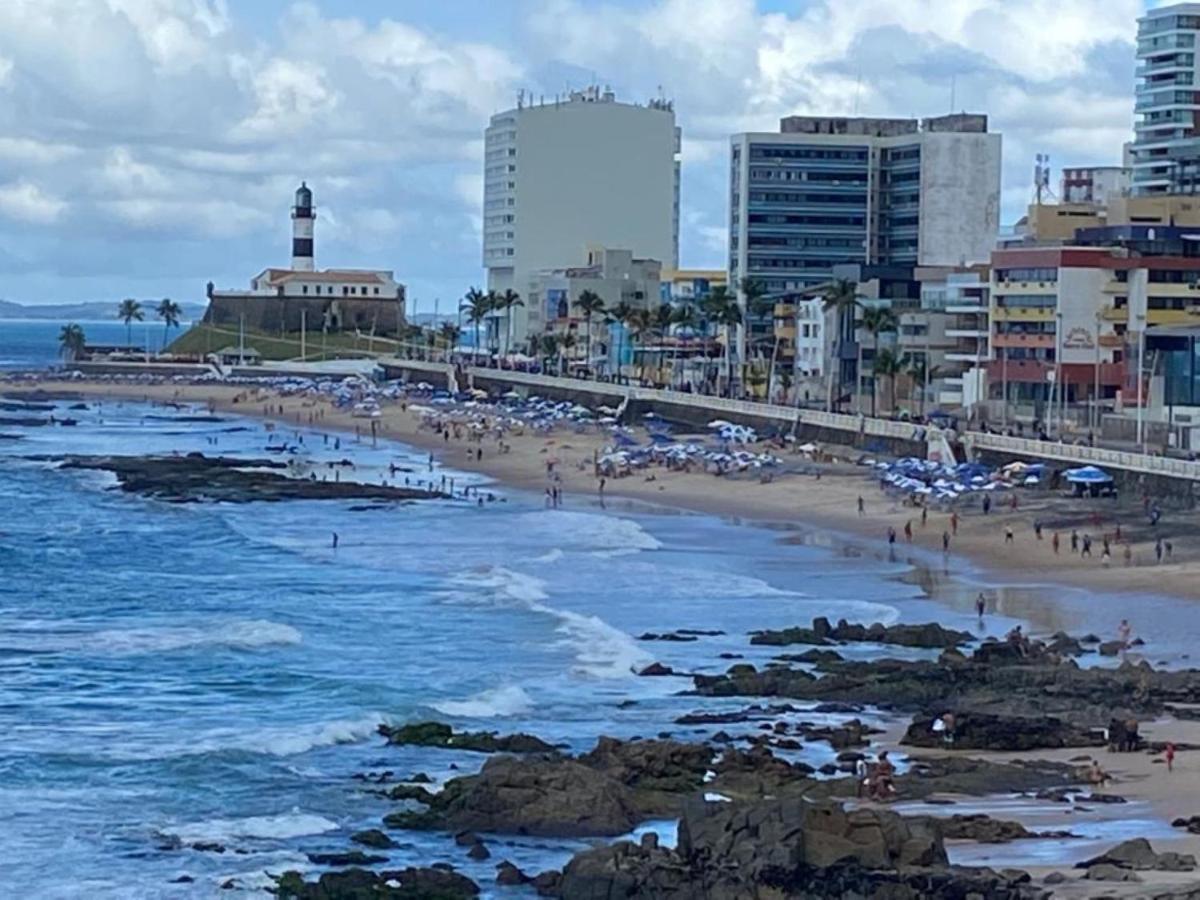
(1087, 475)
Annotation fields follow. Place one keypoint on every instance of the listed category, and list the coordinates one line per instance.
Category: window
(376, 292)
(304, 288)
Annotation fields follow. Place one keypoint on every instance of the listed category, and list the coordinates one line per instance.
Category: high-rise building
(1166, 148)
(584, 170)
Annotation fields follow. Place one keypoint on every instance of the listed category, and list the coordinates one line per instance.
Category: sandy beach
(533, 460)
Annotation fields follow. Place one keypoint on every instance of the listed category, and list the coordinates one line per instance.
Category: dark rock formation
(1138, 854)
(361, 884)
(437, 734)
(786, 848)
(929, 635)
(374, 838)
(984, 829)
(981, 731)
(195, 477)
(656, 668)
(351, 858)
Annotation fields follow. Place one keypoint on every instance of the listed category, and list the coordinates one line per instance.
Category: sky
(149, 146)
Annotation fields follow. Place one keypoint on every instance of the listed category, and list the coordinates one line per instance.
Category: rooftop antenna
(1041, 179)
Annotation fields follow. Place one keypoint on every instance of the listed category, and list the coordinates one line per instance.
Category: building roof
(357, 276)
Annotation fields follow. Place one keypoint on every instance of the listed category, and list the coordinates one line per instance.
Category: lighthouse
(303, 215)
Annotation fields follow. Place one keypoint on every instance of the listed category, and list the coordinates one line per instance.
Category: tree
(621, 313)
(917, 368)
(129, 311)
(71, 341)
(476, 304)
(840, 297)
(505, 303)
(547, 348)
(168, 310)
(641, 324)
(590, 304)
(566, 343)
(450, 334)
(875, 321)
(728, 315)
(887, 365)
(682, 317)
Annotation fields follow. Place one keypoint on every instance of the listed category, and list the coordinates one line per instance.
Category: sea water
(180, 674)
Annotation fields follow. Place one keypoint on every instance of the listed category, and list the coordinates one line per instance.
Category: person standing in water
(335, 540)
(980, 606)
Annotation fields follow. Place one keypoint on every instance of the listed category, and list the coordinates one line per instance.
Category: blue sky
(148, 146)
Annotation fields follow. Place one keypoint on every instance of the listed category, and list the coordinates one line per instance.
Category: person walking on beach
(861, 506)
(1074, 541)
(1158, 549)
(924, 515)
(1086, 549)
(1127, 553)
(1008, 534)
(954, 522)
(1124, 633)
(1054, 543)
(1170, 756)
(1037, 528)
(908, 531)
(987, 504)
(980, 606)
(945, 542)
(891, 536)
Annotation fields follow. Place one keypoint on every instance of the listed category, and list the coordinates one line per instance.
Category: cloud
(25, 202)
(170, 134)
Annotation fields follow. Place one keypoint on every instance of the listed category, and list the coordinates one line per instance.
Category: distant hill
(93, 310)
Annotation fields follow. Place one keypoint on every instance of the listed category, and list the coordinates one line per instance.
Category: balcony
(1115, 313)
(1023, 314)
(1024, 370)
(1043, 341)
(980, 332)
(1112, 341)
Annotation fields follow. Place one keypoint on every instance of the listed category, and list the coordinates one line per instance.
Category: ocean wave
(243, 634)
(293, 740)
(509, 700)
(279, 827)
(596, 533)
(601, 650)
(550, 556)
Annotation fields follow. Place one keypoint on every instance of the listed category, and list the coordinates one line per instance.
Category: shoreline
(810, 503)
(522, 469)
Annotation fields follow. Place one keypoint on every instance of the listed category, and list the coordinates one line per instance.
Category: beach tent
(1087, 475)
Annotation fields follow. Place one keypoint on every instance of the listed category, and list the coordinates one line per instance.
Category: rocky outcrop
(535, 796)
(657, 772)
(437, 734)
(785, 848)
(981, 731)
(195, 478)
(983, 829)
(929, 635)
(403, 884)
(1137, 854)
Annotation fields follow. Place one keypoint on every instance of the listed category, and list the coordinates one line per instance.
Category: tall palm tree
(546, 347)
(168, 310)
(754, 306)
(887, 365)
(917, 368)
(450, 333)
(620, 314)
(128, 311)
(840, 297)
(682, 317)
(714, 309)
(566, 343)
(641, 324)
(875, 321)
(476, 304)
(590, 304)
(729, 317)
(71, 341)
(505, 303)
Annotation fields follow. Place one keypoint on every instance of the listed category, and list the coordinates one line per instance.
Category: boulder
(350, 858)
(374, 838)
(1138, 854)
(437, 734)
(1107, 872)
(535, 796)
(980, 731)
(1111, 648)
(404, 884)
(929, 635)
(656, 668)
(984, 829)
(509, 875)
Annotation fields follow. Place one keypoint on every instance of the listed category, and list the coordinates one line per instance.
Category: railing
(1098, 456)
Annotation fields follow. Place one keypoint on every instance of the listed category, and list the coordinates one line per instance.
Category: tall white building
(579, 171)
(1166, 148)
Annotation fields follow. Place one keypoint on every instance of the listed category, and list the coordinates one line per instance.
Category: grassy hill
(202, 338)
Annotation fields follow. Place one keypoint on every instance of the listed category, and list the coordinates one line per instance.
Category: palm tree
(728, 317)
(755, 306)
(875, 321)
(917, 368)
(887, 365)
(505, 303)
(71, 341)
(590, 304)
(128, 311)
(476, 304)
(168, 310)
(546, 347)
(566, 343)
(682, 316)
(450, 334)
(621, 313)
(641, 324)
(840, 296)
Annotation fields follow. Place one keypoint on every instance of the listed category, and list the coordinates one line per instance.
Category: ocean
(33, 343)
(182, 674)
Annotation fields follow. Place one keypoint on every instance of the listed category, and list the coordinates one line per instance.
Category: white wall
(960, 198)
(1080, 295)
(592, 174)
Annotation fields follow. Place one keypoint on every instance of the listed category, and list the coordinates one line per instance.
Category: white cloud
(26, 202)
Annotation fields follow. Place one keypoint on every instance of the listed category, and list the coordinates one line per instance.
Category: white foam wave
(509, 700)
(596, 533)
(240, 633)
(552, 555)
(601, 650)
(293, 739)
(280, 828)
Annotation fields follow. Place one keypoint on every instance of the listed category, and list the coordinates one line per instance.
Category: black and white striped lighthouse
(303, 214)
